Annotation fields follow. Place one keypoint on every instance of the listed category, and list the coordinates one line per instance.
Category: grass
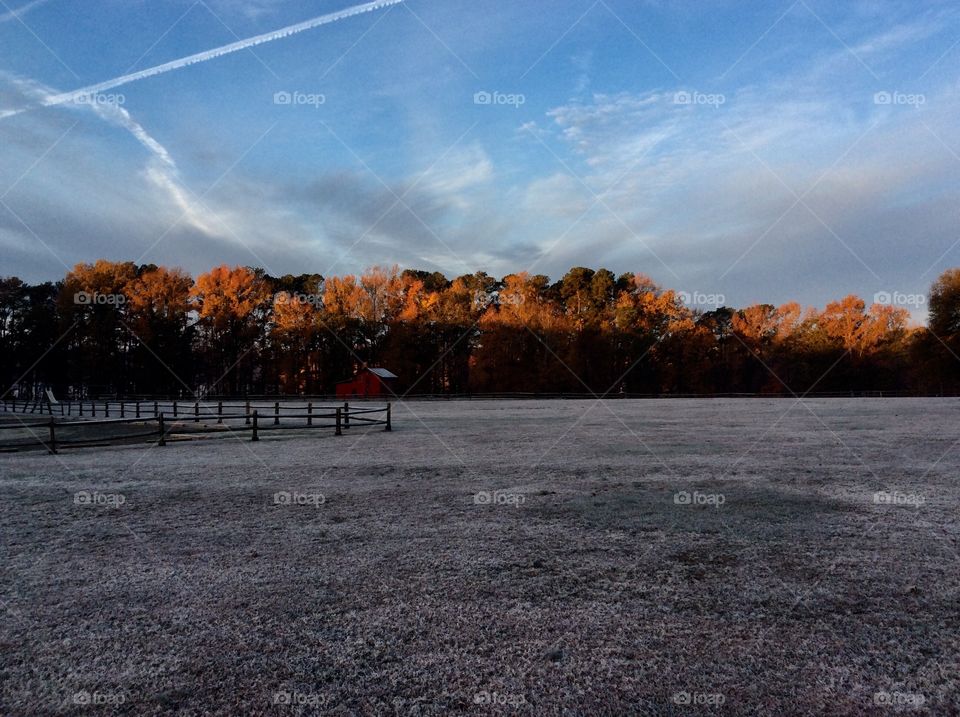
(593, 591)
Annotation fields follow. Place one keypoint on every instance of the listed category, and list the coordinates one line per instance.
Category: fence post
(276, 413)
(346, 415)
(310, 414)
(163, 433)
(389, 426)
(174, 409)
(255, 437)
(93, 408)
(81, 406)
(53, 437)
(246, 413)
(196, 412)
(106, 409)
(219, 411)
(138, 409)
(155, 409)
(339, 431)
(123, 409)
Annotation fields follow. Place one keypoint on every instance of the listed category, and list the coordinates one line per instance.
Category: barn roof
(382, 373)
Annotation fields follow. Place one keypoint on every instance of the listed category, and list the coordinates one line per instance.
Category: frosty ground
(533, 557)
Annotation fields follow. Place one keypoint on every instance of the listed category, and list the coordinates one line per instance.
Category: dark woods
(114, 328)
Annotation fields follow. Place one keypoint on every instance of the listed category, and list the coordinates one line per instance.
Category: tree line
(117, 328)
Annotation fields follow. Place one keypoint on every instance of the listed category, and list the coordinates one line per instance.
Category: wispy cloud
(161, 169)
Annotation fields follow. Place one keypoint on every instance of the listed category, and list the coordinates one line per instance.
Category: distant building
(368, 383)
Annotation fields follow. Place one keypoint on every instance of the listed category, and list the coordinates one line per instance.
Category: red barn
(368, 383)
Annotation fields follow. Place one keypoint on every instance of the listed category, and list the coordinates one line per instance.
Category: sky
(754, 151)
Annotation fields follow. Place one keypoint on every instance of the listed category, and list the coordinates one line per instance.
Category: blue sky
(765, 151)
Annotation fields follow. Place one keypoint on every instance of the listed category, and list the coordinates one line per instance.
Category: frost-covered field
(562, 557)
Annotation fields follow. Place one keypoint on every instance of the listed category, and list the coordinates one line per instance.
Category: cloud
(709, 194)
(702, 197)
(161, 169)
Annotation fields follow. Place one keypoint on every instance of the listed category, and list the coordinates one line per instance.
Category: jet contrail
(22, 10)
(84, 92)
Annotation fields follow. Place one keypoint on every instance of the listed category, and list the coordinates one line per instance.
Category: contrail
(84, 92)
(22, 10)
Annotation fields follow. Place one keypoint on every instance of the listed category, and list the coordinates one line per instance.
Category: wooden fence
(75, 424)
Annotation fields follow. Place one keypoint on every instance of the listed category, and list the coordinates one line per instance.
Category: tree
(158, 302)
(93, 300)
(117, 328)
(945, 305)
(232, 306)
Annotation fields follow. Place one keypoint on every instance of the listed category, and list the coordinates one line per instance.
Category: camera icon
(282, 98)
(882, 98)
(685, 297)
(82, 298)
(682, 98)
(81, 698)
(682, 498)
(681, 698)
(884, 298)
(82, 498)
(282, 698)
(482, 498)
(482, 98)
(282, 498)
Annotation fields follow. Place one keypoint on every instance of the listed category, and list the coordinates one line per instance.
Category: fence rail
(115, 405)
(159, 422)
